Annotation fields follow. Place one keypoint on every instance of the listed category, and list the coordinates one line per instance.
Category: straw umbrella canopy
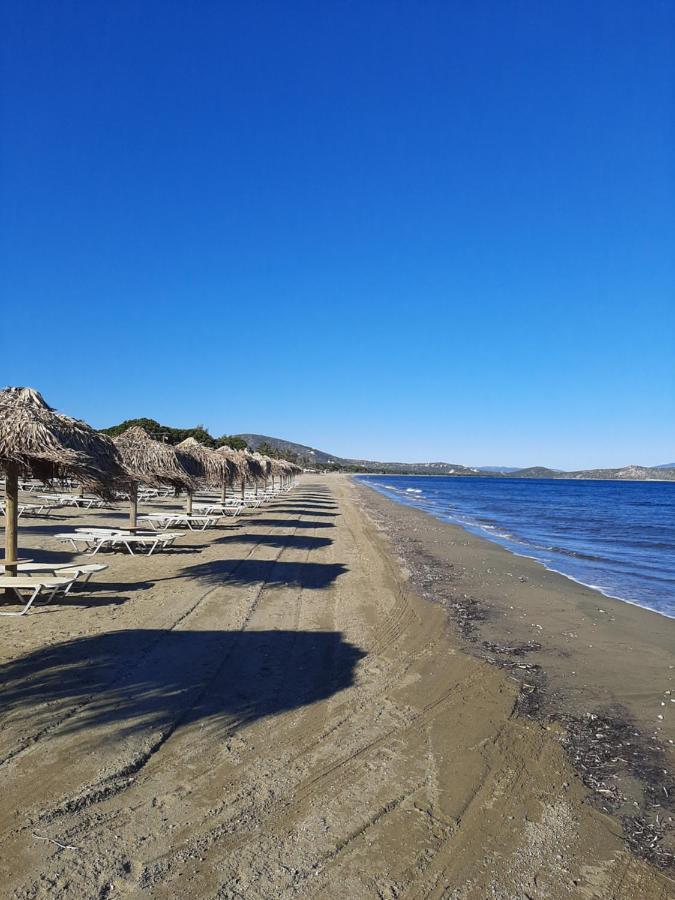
(255, 469)
(202, 463)
(290, 470)
(150, 462)
(260, 466)
(236, 464)
(286, 469)
(37, 441)
(276, 468)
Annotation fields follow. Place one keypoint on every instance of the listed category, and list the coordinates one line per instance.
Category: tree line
(199, 433)
(176, 435)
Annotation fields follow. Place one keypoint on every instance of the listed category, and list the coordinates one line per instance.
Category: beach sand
(290, 707)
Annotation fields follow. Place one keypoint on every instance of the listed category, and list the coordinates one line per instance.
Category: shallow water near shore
(616, 537)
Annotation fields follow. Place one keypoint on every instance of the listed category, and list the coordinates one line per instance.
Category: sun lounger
(161, 521)
(152, 542)
(88, 529)
(74, 500)
(251, 501)
(81, 573)
(92, 541)
(31, 485)
(30, 509)
(217, 500)
(218, 509)
(32, 587)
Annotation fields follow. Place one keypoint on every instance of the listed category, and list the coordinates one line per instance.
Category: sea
(615, 536)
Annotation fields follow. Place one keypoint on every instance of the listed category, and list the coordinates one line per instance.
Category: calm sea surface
(618, 537)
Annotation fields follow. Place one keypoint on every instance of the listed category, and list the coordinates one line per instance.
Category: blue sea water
(615, 536)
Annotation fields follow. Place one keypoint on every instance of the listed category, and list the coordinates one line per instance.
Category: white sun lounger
(74, 500)
(218, 509)
(92, 542)
(30, 509)
(81, 573)
(33, 587)
(162, 521)
(31, 485)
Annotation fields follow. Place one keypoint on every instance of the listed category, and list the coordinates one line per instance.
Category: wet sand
(273, 711)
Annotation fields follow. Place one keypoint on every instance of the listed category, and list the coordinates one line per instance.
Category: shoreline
(484, 534)
(581, 658)
(495, 475)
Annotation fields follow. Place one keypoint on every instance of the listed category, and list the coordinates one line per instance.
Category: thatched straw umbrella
(256, 470)
(259, 466)
(149, 462)
(278, 471)
(277, 467)
(37, 441)
(236, 464)
(288, 471)
(202, 462)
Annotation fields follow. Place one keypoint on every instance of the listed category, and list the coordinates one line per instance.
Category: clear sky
(396, 230)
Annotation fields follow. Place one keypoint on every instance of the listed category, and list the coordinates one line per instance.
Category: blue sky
(395, 230)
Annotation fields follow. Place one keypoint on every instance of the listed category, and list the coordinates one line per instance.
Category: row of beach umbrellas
(39, 442)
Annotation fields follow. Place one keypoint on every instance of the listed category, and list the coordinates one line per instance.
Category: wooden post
(188, 503)
(133, 505)
(243, 488)
(11, 517)
(223, 493)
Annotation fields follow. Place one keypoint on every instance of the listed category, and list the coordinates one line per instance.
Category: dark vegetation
(199, 433)
(176, 435)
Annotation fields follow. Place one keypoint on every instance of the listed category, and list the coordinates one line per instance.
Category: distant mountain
(310, 456)
(536, 472)
(665, 466)
(627, 473)
(433, 468)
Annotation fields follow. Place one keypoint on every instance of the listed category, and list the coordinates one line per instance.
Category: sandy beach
(323, 700)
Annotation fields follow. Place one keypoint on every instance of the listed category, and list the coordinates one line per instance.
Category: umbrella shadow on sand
(42, 555)
(289, 523)
(140, 679)
(298, 541)
(303, 511)
(306, 501)
(313, 576)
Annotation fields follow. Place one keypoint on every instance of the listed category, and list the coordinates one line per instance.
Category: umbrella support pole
(223, 493)
(11, 520)
(188, 503)
(133, 506)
